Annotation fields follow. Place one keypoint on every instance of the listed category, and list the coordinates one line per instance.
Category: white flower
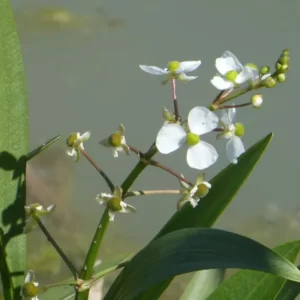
(75, 142)
(174, 69)
(193, 194)
(114, 203)
(231, 71)
(34, 211)
(232, 132)
(117, 141)
(30, 287)
(200, 155)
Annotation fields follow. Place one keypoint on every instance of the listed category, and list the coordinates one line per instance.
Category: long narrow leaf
(203, 284)
(192, 249)
(13, 147)
(248, 285)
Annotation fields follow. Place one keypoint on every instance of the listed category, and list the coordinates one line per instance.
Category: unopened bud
(264, 70)
(269, 82)
(281, 77)
(257, 101)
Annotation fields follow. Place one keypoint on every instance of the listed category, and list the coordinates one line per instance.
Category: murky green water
(86, 77)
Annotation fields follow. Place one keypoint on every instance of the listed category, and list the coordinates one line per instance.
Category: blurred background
(81, 63)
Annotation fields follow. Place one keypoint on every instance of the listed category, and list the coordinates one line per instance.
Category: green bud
(114, 204)
(29, 290)
(192, 139)
(269, 82)
(278, 66)
(231, 75)
(284, 68)
(264, 70)
(115, 140)
(239, 129)
(203, 190)
(286, 52)
(251, 65)
(283, 59)
(281, 77)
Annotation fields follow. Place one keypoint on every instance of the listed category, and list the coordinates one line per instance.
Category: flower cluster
(232, 80)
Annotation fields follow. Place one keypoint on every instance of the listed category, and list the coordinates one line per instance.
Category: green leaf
(41, 148)
(289, 291)
(14, 147)
(249, 285)
(224, 187)
(192, 249)
(203, 284)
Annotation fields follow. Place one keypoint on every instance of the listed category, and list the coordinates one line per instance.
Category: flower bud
(281, 77)
(269, 82)
(251, 65)
(283, 59)
(264, 70)
(257, 101)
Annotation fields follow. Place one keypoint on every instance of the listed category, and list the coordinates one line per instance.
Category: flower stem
(100, 171)
(64, 257)
(152, 192)
(235, 106)
(158, 165)
(175, 102)
(91, 256)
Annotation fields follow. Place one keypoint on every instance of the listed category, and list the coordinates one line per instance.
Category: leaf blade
(13, 144)
(192, 249)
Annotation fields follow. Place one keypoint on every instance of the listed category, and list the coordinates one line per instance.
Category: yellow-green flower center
(231, 75)
(202, 190)
(253, 66)
(173, 66)
(115, 140)
(192, 139)
(72, 139)
(114, 204)
(239, 129)
(29, 289)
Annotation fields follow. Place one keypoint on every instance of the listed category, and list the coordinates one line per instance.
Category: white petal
(238, 65)
(30, 277)
(189, 66)
(254, 73)
(224, 65)
(201, 156)
(126, 208)
(245, 75)
(154, 70)
(231, 114)
(265, 76)
(84, 137)
(186, 78)
(170, 138)
(71, 152)
(201, 120)
(111, 215)
(234, 148)
(220, 83)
